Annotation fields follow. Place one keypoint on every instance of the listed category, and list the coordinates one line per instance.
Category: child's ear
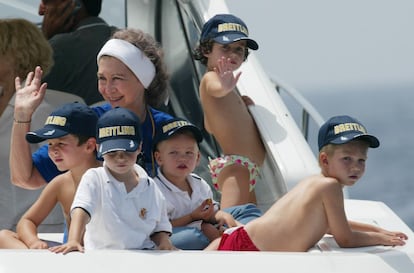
(157, 157)
(91, 144)
(206, 52)
(198, 158)
(323, 159)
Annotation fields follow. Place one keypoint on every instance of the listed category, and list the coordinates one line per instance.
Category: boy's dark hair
(205, 47)
(82, 139)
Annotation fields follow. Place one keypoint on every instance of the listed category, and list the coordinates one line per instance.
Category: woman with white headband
(131, 74)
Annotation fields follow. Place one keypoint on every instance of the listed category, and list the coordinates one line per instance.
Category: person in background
(314, 207)
(22, 47)
(70, 132)
(195, 217)
(76, 33)
(223, 47)
(118, 206)
(131, 74)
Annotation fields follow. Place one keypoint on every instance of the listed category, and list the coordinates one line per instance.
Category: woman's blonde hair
(24, 44)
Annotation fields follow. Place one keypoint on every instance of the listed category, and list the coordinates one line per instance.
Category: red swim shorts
(237, 240)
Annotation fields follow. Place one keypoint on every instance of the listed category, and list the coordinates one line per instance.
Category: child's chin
(62, 169)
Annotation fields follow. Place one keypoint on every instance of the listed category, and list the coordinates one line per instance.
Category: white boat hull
(325, 257)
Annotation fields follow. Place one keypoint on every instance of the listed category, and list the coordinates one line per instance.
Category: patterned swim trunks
(218, 164)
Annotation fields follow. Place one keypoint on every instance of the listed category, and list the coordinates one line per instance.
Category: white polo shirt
(179, 203)
(120, 220)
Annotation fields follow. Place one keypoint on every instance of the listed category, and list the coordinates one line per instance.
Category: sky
(321, 44)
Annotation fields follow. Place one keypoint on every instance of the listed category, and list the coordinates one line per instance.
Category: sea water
(387, 113)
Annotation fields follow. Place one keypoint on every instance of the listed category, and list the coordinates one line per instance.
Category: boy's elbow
(19, 182)
(345, 242)
(33, 181)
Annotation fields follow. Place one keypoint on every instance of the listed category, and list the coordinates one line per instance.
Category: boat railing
(308, 111)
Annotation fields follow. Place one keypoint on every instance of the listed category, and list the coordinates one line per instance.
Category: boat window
(179, 34)
(114, 12)
(20, 9)
(141, 14)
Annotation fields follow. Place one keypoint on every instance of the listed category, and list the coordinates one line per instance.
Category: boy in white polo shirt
(118, 206)
(190, 205)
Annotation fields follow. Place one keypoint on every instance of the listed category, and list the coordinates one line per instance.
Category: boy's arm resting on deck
(27, 232)
(369, 238)
(34, 216)
(353, 234)
(80, 218)
(363, 227)
(162, 240)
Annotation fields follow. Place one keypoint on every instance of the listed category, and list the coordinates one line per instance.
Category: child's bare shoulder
(61, 182)
(320, 178)
(321, 182)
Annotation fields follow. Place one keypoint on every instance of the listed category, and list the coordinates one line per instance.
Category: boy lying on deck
(315, 206)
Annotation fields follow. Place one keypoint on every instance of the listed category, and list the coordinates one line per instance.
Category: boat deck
(326, 256)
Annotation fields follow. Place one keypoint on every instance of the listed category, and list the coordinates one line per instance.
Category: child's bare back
(302, 212)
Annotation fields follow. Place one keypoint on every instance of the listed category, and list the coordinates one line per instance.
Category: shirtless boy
(223, 48)
(298, 220)
(70, 132)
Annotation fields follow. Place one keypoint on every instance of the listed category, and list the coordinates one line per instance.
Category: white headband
(132, 57)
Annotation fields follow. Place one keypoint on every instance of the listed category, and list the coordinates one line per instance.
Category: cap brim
(370, 139)
(231, 38)
(194, 130)
(113, 145)
(45, 133)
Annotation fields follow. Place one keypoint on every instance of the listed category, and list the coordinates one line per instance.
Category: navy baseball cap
(170, 127)
(119, 129)
(226, 29)
(71, 118)
(342, 129)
